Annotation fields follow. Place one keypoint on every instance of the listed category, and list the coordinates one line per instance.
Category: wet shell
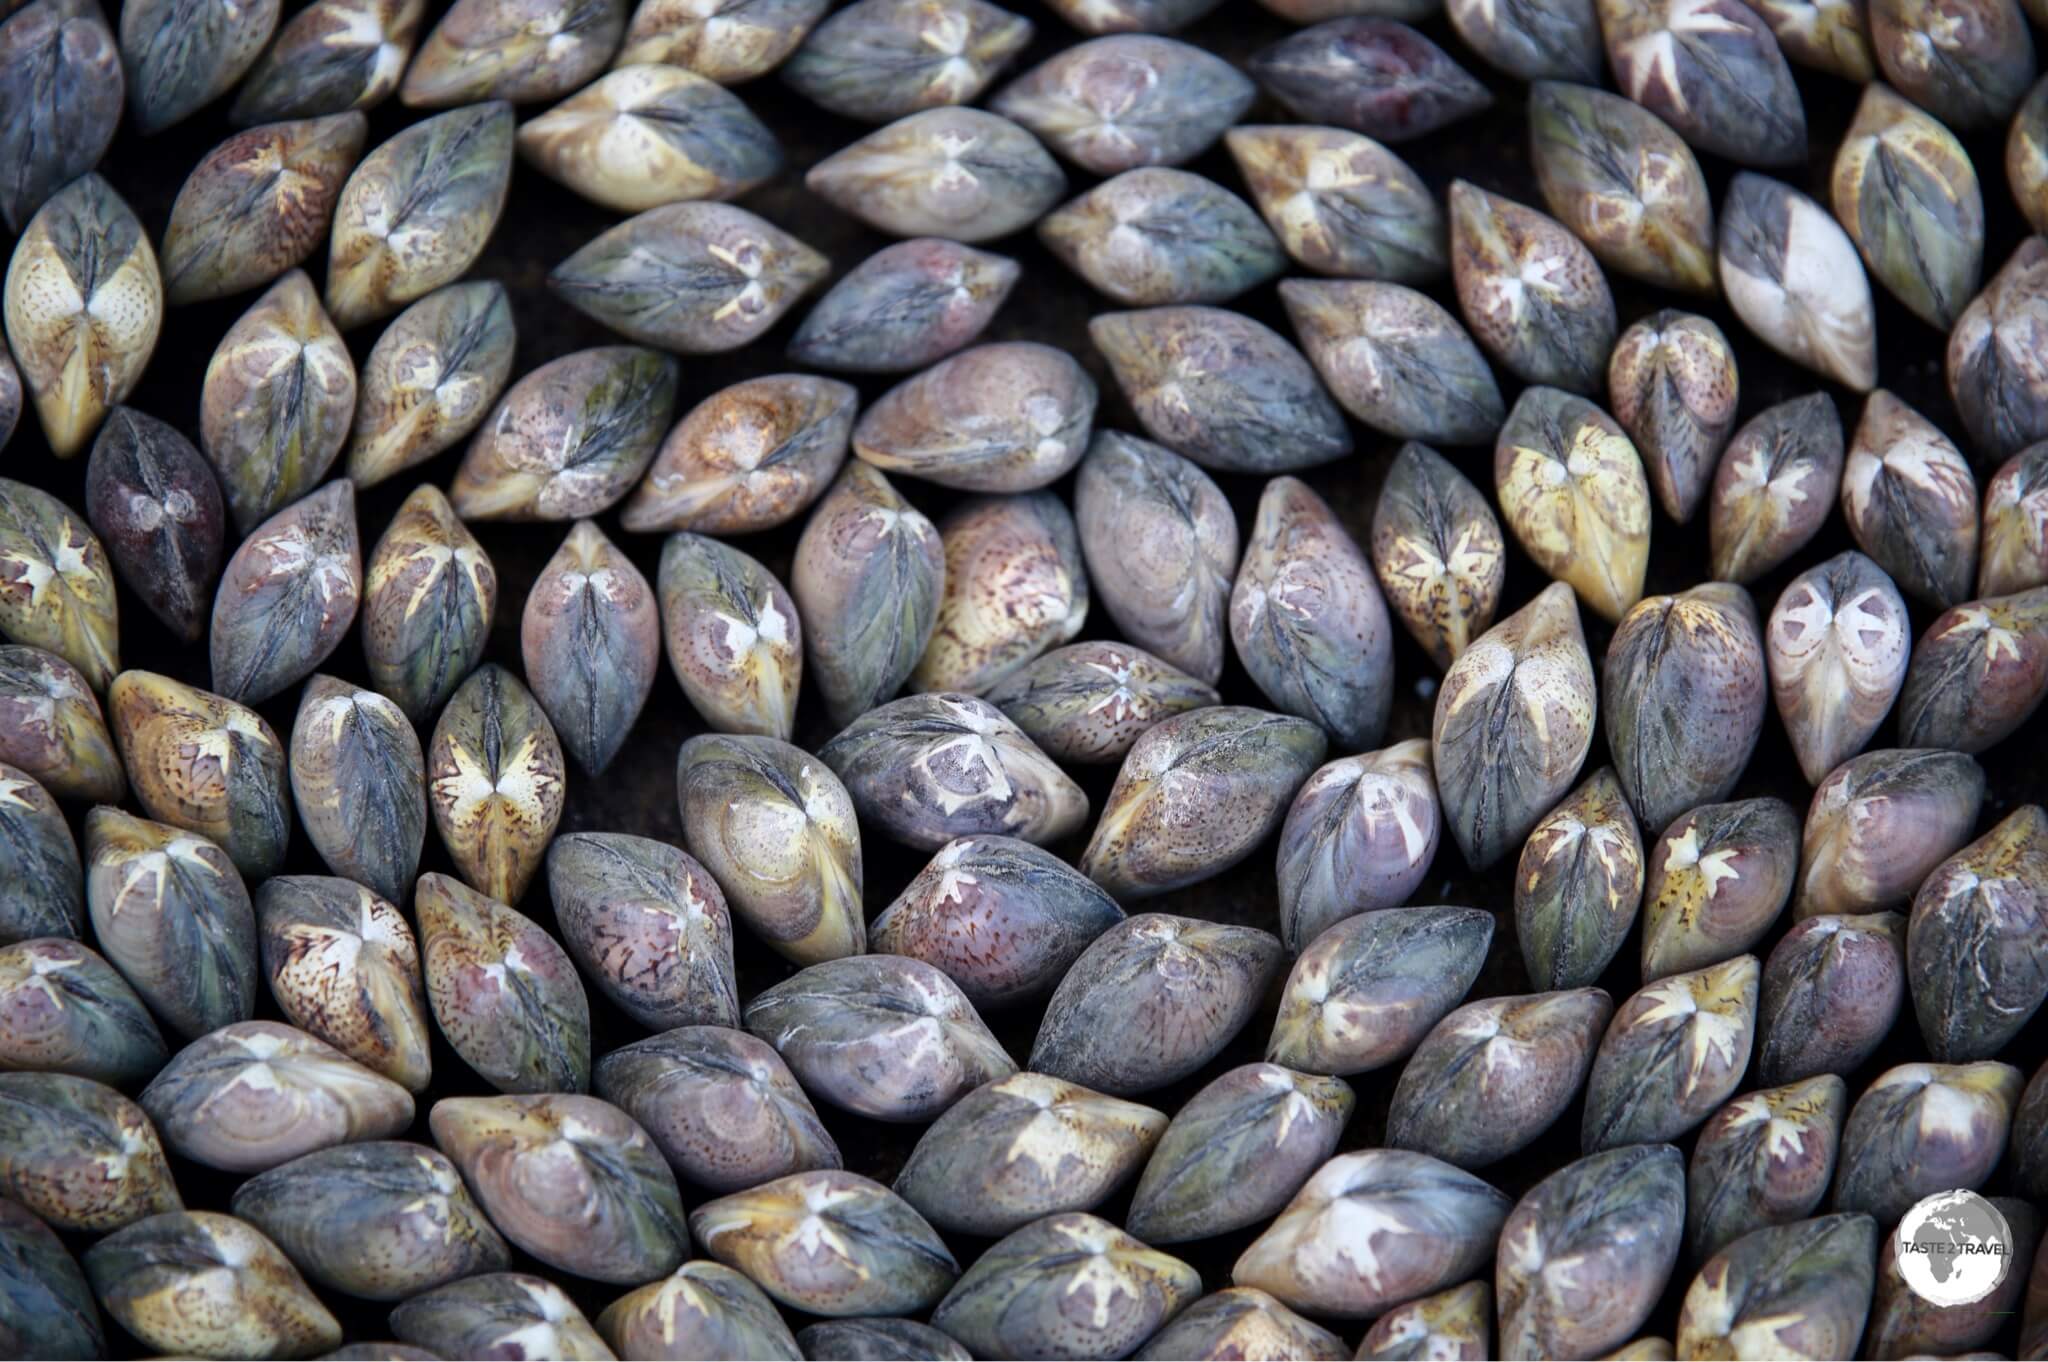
(1090, 702)
(881, 1036)
(1373, 76)
(1007, 417)
(1152, 1000)
(1396, 360)
(1831, 990)
(1130, 16)
(64, 1009)
(1373, 1229)
(155, 502)
(170, 913)
(256, 1094)
(1002, 918)
(1513, 724)
(1792, 277)
(1341, 203)
(180, 57)
(384, 1220)
(1015, 586)
(1114, 104)
(1999, 383)
(1221, 389)
(504, 993)
(1532, 294)
(866, 577)
(957, 173)
(204, 764)
(1684, 689)
(524, 51)
(572, 1180)
(570, 438)
(728, 41)
(1676, 1050)
(1905, 189)
(1774, 486)
(495, 1315)
(344, 966)
(721, 1105)
(416, 213)
(1903, 1323)
(1719, 877)
(1197, 793)
(1837, 646)
(10, 398)
(1827, 35)
(427, 605)
(83, 303)
(1968, 64)
(1712, 70)
(80, 1155)
(905, 306)
(1920, 1129)
(1910, 501)
(1161, 544)
(205, 1285)
(1585, 1255)
(695, 278)
(61, 77)
(2013, 545)
(735, 641)
(1578, 884)
(1976, 947)
(1453, 1324)
(331, 56)
(1437, 550)
(881, 59)
(1494, 1075)
(1764, 1159)
(359, 784)
(649, 927)
(258, 205)
(1799, 1290)
(777, 831)
(875, 1340)
(1880, 823)
(749, 457)
(1672, 384)
(430, 379)
(1242, 1322)
(1979, 673)
(1155, 236)
(1065, 1149)
(51, 728)
(590, 637)
(829, 1243)
(701, 1310)
(1360, 835)
(1531, 39)
(1364, 993)
(50, 1307)
(288, 596)
(2026, 157)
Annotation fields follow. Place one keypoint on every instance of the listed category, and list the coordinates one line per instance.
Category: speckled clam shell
(1584, 1257)
(62, 77)
(1243, 1322)
(1437, 550)
(383, 1220)
(1799, 1290)
(1015, 586)
(1453, 1325)
(1364, 993)
(428, 598)
(256, 1094)
(1827, 35)
(735, 640)
(288, 596)
(695, 278)
(1718, 878)
(1920, 1129)
(1683, 686)
(156, 504)
(331, 56)
(1152, 1000)
(1910, 501)
(1359, 836)
(52, 729)
(1978, 960)
(1341, 203)
(179, 57)
(1395, 359)
(498, 1314)
(170, 913)
(258, 205)
(83, 305)
(572, 1180)
(1065, 1149)
(1090, 702)
(728, 41)
(1374, 76)
(1880, 823)
(1373, 1229)
(700, 1310)
(1712, 70)
(80, 1155)
(1998, 382)
(1903, 1323)
(881, 59)
(1831, 989)
(829, 1243)
(200, 1284)
(64, 1009)
(1130, 16)
(1968, 64)
(1006, 417)
(1003, 919)
(777, 831)
(344, 966)
(720, 1104)
(1492, 1076)
(359, 784)
(905, 306)
(503, 991)
(1672, 384)
(880, 1339)
(523, 51)
(431, 378)
(1531, 39)
(417, 211)
(1675, 1051)
(1531, 292)
(1764, 1159)
(1791, 275)
(1513, 724)
(649, 927)
(590, 638)
(1578, 884)
(1157, 236)
(749, 457)
(1115, 104)
(1978, 674)
(1774, 486)
(1837, 645)
(2013, 540)
(958, 173)
(50, 1305)
(881, 1036)
(1905, 189)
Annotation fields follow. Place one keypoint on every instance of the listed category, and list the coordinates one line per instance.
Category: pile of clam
(1243, 770)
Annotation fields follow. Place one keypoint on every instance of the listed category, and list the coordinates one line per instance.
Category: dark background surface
(543, 223)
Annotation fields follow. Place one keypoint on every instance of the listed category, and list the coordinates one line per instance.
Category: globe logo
(1954, 1248)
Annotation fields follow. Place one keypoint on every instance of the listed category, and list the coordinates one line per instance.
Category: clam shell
(1837, 647)
(2030, 1138)
(500, 1314)
(344, 966)
(80, 1155)
(1066, 1286)
(649, 927)
(1130, 16)
(1827, 35)
(1905, 189)
(331, 56)
(180, 57)
(428, 599)
(1546, 40)
(1831, 989)
(1880, 823)
(1015, 586)
(524, 51)
(156, 504)
(1976, 955)
(2013, 543)
(431, 378)
(494, 782)
(1903, 1323)
(51, 728)
(1920, 1129)
(288, 596)
(1773, 487)
(1371, 75)
(10, 398)
(1719, 877)
(51, 1312)
(908, 179)
(735, 640)
(1675, 1051)
(61, 76)
(1999, 384)
(1453, 1324)
(1532, 294)
(905, 306)
(1791, 275)
(1090, 702)
(1712, 70)
(1437, 550)
(1910, 502)
(749, 457)
(700, 1310)
(1364, 993)
(1115, 104)
(728, 41)
(359, 783)
(1395, 359)
(2026, 156)
(208, 1285)
(878, 1340)
(1967, 64)
(64, 1009)
(590, 637)
(1764, 1159)
(1800, 1290)
(881, 59)
(829, 1243)
(1341, 203)
(1006, 417)
(504, 993)
(1578, 884)
(1360, 835)
(1156, 235)
(1242, 1322)
(1979, 672)
(1672, 383)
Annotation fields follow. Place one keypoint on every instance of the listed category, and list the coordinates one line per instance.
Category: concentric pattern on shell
(1090, 702)
(208, 1285)
(749, 457)
(1979, 672)
(1360, 835)
(590, 637)
(735, 640)
(1719, 877)
(1832, 988)
(958, 173)
(64, 1009)
(1975, 947)
(1006, 417)
(343, 964)
(1395, 359)
(1920, 1129)
(1879, 823)
(428, 599)
(1115, 104)
(288, 596)
(494, 782)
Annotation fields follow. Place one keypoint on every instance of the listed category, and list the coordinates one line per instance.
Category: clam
(64, 1009)
(1800, 1290)
(1712, 70)
(288, 596)
(383, 1220)
(572, 1180)
(882, 1036)
(1999, 384)
(344, 966)
(431, 378)
(1910, 502)
(1156, 235)
(590, 637)
(1360, 835)
(1531, 292)
(1341, 203)
(428, 598)
(1578, 884)
(359, 784)
(1905, 189)
(879, 1339)
(158, 508)
(1675, 1051)
(829, 1243)
(904, 307)
(700, 1310)
(79, 1155)
(1904, 1323)
(1880, 823)
(1243, 1322)
(1364, 993)
(1791, 275)
(1979, 673)
(1006, 417)
(1066, 1286)
(2026, 157)
(749, 457)
(170, 913)
(180, 57)
(649, 927)
(1115, 104)
(2013, 542)
(1090, 702)
(331, 56)
(1719, 877)
(1152, 1000)
(1395, 359)
(1977, 960)
(503, 991)
(51, 1312)
(1437, 550)
(1920, 1129)
(52, 730)
(1672, 384)
(1968, 64)
(207, 1285)
(1454, 1324)
(61, 76)
(1837, 647)
(881, 59)
(1372, 75)
(1764, 1159)
(494, 782)
(10, 398)
(1131, 16)
(523, 51)
(735, 640)
(952, 172)
(498, 1314)
(1774, 486)
(203, 764)
(1831, 989)
(1827, 35)
(1552, 40)
(728, 41)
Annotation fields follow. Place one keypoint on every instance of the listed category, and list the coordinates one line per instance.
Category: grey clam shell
(1117, 103)
(1880, 823)
(1911, 502)
(359, 785)
(433, 375)
(1711, 70)
(905, 306)
(2013, 548)
(344, 965)
(1979, 673)
(1340, 203)
(44, 895)
(331, 56)
(735, 639)
(1156, 236)
(1976, 955)
(1832, 988)
(60, 62)
(1920, 1129)
(288, 596)
(180, 57)
(1578, 884)
(1360, 835)
(749, 457)
(64, 1009)
(1968, 65)
(1364, 993)
(958, 173)
(1766, 1158)
(1719, 877)
(80, 1155)
(879, 1339)
(881, 59)
(1557, 330)
(1005, 417)
(1090, 702)
(518, 50)
(429, 595)
(1437, 548)
(1827, 35)
(50, 1306)
(156, 505)
(1531, 39)
(1375, 76)
(1395, 359)
(1773, 487)
(1674, 1052)
(1905, 189)
(1673, 386)
(1795, 1290)
(590, 637)
(497, 1314)
(1242, 1322)
(728, 41)
(700, 1310)
(208, 1285)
